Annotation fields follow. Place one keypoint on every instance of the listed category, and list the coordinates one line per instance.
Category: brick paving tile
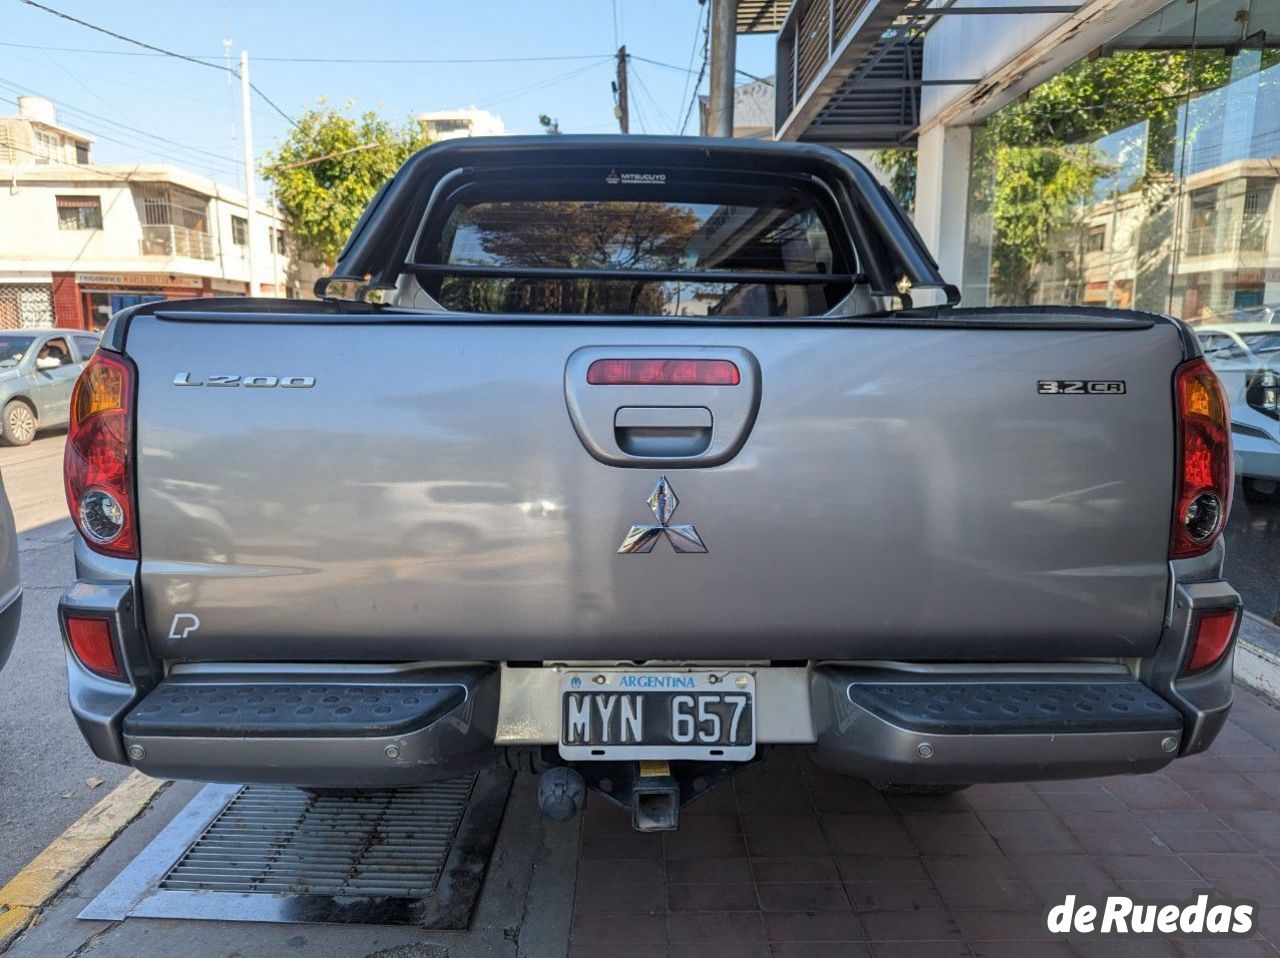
(820, 949)
(795, 869)
(712, 950)
(987, 894)
(863, 868)
(920, 949)
(791, 860)
(594, 897)
(707, 870)
(1059, 868)
(933, 924)
(803, 896)
(833, 926)
(893, 895)
(713, 927)
(1019, 949)
(713, 897)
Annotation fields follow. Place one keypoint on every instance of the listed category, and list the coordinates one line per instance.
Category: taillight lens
(663, 372)
(1213, 631)
(92, 644)
(1204, 479)
(97, 465)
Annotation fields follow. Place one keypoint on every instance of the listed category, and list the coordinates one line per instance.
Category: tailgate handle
(662, 432)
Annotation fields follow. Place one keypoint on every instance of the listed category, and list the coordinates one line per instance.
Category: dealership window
(79, 212)
(1147, 175)
(239, 231)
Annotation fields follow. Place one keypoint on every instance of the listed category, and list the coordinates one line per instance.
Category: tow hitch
(654, 791)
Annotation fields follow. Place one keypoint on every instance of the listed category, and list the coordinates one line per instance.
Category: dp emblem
(663, 502)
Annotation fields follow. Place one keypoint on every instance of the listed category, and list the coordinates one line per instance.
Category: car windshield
(1262, 342)
(13, 348)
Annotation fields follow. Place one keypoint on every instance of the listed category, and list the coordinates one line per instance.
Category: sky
(149, 108)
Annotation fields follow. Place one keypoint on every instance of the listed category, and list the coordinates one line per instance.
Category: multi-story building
(79, 240)
(460, 123)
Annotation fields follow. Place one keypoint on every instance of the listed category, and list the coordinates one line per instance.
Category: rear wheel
(19, 423)
(1260, 490)
(903, 788)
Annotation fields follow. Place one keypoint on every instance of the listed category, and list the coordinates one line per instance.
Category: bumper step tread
(178, 707)
(1016, 706)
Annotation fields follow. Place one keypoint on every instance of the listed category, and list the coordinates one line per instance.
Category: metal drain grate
(264, 853)
(286, 842)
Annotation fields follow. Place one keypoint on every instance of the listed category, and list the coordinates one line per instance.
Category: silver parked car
(38, 367)
(10, 581)
(1246, 357)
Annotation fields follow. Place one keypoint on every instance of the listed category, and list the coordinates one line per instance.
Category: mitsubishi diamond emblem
(663, 502)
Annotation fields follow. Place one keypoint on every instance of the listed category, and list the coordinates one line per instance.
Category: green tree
(328, 168)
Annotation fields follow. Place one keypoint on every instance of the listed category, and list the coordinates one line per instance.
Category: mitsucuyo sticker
(1122, 915)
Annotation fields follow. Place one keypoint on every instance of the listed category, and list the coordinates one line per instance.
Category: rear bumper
(944, 728)
(10, 618)
(478, 707)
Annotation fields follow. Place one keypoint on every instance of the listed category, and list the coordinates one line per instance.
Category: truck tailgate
(903, 492)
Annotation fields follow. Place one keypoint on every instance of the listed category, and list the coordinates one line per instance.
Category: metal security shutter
(24, 306)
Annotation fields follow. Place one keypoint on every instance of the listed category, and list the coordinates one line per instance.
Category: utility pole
(246, 121)
(622, 110)
(724, 39)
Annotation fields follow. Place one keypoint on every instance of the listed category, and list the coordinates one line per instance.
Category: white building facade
(80, 240)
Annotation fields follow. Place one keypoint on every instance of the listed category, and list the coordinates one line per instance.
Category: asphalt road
(44, 763)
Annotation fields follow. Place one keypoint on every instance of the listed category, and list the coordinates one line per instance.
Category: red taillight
(663, 372)
(1213, 631)
(1204, 465)
(97, 466)
(91, 642)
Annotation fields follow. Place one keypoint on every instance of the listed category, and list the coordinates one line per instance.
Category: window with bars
(79, 212)
(48, 146)
(240, 230)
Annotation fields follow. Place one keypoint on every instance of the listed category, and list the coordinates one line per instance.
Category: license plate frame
(657, 687)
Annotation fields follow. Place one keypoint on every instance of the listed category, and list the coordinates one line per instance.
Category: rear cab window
(611, 242)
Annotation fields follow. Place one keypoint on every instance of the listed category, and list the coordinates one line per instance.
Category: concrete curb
(1257, 663)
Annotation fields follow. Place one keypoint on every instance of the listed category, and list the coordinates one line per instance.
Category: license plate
(606, 715)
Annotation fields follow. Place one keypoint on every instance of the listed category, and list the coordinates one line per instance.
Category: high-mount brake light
(663, 372)
(97, 464)
(1204, 460)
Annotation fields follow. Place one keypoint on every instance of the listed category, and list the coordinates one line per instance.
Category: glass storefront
(1147, 176)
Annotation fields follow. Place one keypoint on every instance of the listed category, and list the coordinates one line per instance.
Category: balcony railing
(1231, 236)
(169, 240)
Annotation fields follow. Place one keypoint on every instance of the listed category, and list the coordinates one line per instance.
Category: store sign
(155, 280)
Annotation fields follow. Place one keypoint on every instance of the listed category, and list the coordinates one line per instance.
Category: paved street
(45, 763)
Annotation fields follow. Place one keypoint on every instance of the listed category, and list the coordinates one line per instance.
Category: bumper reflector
(92, 644)
(1214, 630)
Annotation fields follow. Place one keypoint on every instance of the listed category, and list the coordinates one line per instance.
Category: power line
(209, 60)
(672, 66)
(658, 111)
(226, 163)
(702, 71)
(159, 50)
(693, 52)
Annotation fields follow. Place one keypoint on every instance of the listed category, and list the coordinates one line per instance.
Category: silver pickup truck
(625, 459)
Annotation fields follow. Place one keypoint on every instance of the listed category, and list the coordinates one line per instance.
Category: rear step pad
(1017, 706)
(208, 708)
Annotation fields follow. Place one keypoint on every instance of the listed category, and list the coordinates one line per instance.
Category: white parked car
(1246, 357)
